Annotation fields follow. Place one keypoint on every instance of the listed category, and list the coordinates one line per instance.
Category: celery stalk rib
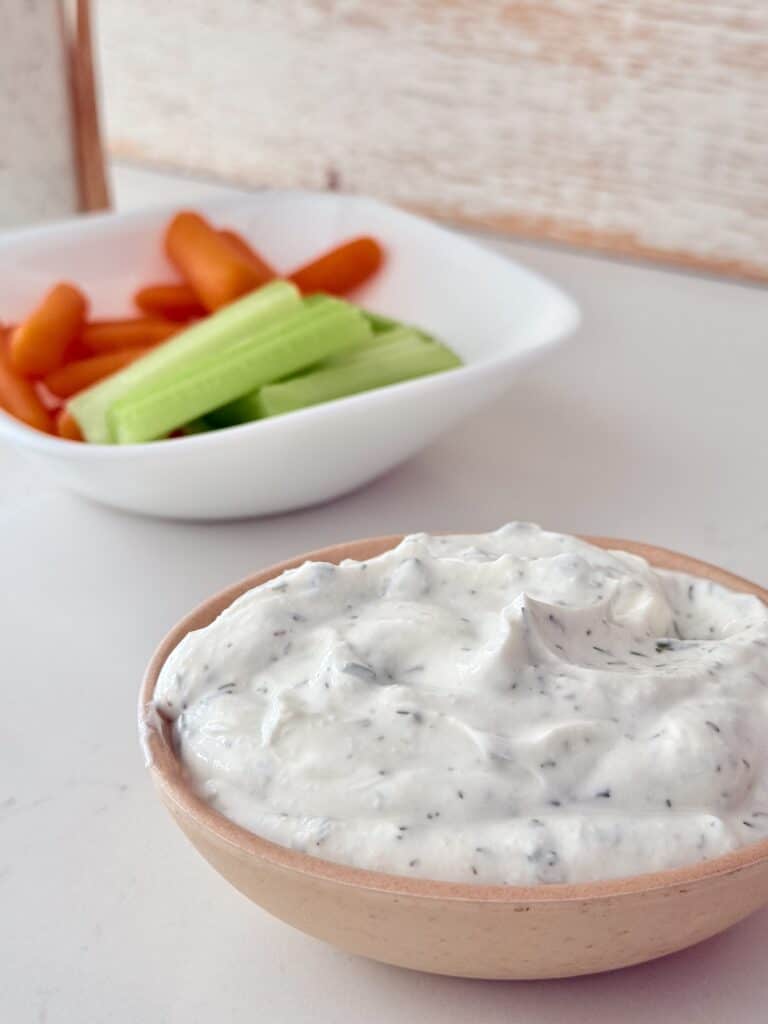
(361, 371)
(300, 339)
(174, 357)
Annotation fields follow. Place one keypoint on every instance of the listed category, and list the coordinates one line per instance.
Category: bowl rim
(167, 773)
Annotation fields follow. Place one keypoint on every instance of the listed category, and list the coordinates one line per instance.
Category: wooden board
(51, 164)
(634, 126)
(38, 169)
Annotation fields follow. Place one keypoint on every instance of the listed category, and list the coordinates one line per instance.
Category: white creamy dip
(515, 707)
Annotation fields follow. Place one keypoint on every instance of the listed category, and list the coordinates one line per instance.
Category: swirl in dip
(509, 708)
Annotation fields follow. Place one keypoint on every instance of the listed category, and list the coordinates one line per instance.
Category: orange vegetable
(19, 397)
(40, 343)
(170, 301)
(248, 253)
(110, 335)
(74, 377)
(341, 269)
(208, 262)
(67, 426)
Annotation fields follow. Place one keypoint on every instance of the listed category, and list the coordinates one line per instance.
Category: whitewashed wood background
(636, 126)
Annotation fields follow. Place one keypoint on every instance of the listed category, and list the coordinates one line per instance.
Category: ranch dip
(515, 707)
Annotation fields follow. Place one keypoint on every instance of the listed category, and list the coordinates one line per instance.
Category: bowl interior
(169, 776)
(478, 301)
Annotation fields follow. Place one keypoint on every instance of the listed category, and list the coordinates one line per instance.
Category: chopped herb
(359, 670)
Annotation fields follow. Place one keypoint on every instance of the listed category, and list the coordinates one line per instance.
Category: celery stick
(198, 426)
(299, 339)
(242, 410)
(248, 407)
(171, 359)
(375, 340)
(363, 371)
(381, 325)
(379, 322)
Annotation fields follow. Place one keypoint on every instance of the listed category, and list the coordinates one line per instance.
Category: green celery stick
(299, 339)
(381, 325)
(198, 426)
(171, 359)
(242, 410)
(371, 368)
(375, 340)
(379, 322)
(248, 407)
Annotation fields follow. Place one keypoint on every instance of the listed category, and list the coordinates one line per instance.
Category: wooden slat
(92, 178)
(38, 172)
(635, 126)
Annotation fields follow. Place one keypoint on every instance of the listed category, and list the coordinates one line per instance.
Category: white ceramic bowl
(493, 312)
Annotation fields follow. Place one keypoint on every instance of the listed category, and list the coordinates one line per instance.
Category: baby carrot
(19, 397)
(208, 262)
(39, 344)
(109, 335)
(341, 269)
(170, 301)
(67, 427)
(74, 377)
(248, 253)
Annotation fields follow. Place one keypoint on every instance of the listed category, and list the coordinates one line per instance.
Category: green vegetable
(406, 355)
(198, 426)
(174, 358)
(281, 347)
(379, 322)
(242, 410)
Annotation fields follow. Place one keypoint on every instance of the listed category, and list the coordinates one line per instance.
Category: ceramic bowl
(494, 313)
(478, 931)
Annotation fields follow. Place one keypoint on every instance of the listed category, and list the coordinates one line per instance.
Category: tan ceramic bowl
(477, 931)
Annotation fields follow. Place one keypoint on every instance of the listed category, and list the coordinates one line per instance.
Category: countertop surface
(650, 425)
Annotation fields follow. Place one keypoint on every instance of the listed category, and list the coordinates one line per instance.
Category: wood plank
(635, 127)
(38, 170)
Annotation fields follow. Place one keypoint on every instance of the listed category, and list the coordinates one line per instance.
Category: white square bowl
(494, 313)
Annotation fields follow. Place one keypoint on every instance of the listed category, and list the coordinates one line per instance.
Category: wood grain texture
(637, 127)
(38, 171)
(92, 178)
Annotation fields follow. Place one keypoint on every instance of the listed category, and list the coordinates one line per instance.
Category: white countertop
(651, 425)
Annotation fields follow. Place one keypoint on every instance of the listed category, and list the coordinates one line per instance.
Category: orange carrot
(341, 269)
(67, 426)
(110, 335)
(248, 253)
(170, 301)
(74, 377)
(40, 343)
(207, 262)
(19, 397)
